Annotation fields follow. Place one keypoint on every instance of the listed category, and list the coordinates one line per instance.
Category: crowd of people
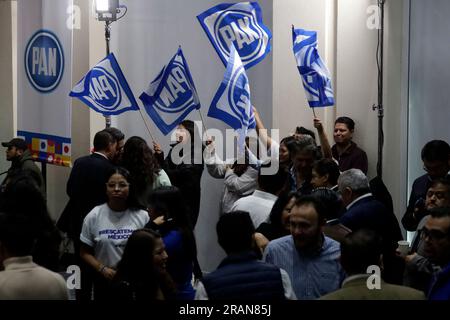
(317, 228)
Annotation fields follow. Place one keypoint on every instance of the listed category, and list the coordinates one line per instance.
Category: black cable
(119, 10)
(380, 108)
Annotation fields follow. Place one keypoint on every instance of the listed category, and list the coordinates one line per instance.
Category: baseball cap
(16, 142)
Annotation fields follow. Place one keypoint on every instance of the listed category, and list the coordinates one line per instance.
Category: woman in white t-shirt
(107, 228)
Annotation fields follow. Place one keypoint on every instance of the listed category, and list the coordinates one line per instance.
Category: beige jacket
(22, 279)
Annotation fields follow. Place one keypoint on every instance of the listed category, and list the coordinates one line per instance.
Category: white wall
(357, 75)
(8, 80)
(290, 105)
(395, 103)
(429, 79)
(357, 88)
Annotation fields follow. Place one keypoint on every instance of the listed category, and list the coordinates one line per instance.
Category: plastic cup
(403, 248)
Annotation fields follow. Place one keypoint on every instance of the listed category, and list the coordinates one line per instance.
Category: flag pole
(146, 125)
(107, 39)
(314, 113)
(203, 121)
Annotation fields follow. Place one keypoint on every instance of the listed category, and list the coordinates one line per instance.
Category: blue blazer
(369, 213)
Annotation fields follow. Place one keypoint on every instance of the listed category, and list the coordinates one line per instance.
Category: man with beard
(21, 160)
(419, 269)
(436, 162)
(310, 258)
(436, 234)
(119, 137)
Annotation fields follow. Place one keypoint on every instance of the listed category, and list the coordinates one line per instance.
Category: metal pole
(107, 38)
(380, 97)
(44, 175)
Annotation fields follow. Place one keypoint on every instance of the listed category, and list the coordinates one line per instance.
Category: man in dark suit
(436, 162)
(86, 189)
(119, 137)
(365, 212)
(360, 257)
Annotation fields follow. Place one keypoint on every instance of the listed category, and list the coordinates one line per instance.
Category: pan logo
(44, 61)
(104, 89)
(176, 95)
(241, 29)
(239, 99)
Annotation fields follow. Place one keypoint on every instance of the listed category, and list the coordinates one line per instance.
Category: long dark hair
(22, 196)
(194, 134)
(169, 201)
(139, 159)
(277, 210)
(287, 141)
(137, 271)
(189, 125)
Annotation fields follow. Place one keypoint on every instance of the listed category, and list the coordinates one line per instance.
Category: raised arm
(216, 167)
(324, 144)
(261, 130)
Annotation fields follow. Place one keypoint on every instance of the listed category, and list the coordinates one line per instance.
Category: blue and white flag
(315, 75)
(239, 24)
(105, 89)
(231, 104)
(172, 95)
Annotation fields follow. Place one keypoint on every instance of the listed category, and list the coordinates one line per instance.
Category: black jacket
(86, 189)
(187, 177)
(243, 277)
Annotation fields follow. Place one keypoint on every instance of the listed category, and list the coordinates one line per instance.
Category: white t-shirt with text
(107, 231)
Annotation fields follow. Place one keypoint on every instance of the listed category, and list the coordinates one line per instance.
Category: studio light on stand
(108, 11)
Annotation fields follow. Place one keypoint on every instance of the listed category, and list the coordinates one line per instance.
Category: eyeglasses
(432, 234)
(439, 195)
(120, 185)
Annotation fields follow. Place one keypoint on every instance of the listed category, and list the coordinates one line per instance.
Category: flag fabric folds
(315, 75)
(231, 103)
(172, 95)
(105, 89)
(239, 24)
